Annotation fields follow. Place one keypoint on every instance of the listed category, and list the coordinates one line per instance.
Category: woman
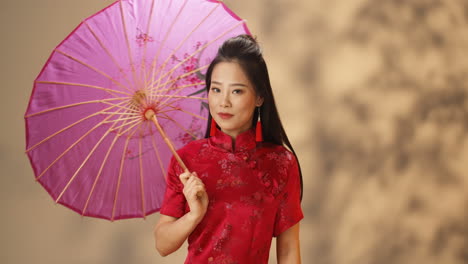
(243, 189)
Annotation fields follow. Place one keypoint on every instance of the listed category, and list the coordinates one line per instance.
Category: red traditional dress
(253, 192)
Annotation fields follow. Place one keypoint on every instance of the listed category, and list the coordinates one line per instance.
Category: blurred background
(374, 97)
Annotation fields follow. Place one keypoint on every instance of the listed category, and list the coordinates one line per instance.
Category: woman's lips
(225, 115)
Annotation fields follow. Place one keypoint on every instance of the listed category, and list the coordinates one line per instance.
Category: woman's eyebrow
(231, 84)
(238, 84)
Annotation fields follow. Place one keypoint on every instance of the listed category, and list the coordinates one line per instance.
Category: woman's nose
(225, 101)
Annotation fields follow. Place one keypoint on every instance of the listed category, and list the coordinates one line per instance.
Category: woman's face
(232, 98)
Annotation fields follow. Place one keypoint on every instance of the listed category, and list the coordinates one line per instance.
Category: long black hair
(245, 50)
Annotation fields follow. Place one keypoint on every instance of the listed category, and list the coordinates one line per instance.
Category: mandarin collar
(244, 141)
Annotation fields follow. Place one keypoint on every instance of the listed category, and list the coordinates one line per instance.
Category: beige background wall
(373, 94)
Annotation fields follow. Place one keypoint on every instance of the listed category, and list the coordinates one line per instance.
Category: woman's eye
(214, 89)
(237, 91)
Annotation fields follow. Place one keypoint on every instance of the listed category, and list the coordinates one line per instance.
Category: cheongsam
(254, 195)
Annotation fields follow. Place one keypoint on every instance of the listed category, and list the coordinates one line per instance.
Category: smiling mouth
(225, 116)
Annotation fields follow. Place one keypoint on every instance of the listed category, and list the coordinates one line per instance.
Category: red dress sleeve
(289, 211)
(174, 202)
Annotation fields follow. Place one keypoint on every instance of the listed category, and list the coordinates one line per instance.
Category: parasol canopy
(92, 133)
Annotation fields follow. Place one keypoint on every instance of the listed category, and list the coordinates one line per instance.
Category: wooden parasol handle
(151, 115)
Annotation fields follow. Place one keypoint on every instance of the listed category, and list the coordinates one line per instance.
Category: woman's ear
(259, 101)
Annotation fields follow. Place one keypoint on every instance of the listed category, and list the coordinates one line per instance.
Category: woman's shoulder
(275, 148)
(277, 152)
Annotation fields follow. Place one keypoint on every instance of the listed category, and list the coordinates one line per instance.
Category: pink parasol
(96, 118)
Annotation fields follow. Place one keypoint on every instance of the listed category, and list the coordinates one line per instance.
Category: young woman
(245, 186)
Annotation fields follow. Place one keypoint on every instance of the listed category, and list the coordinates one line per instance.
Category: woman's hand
(195, 194)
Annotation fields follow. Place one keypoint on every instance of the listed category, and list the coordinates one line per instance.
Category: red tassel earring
(212, 127)
(258, 129)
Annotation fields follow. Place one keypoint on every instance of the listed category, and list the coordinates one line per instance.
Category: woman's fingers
(196, 190)
(184, 177)
(188, 177)
(194, 183)
(193, 186)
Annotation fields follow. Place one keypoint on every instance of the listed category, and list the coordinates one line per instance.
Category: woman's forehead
(229, 73)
